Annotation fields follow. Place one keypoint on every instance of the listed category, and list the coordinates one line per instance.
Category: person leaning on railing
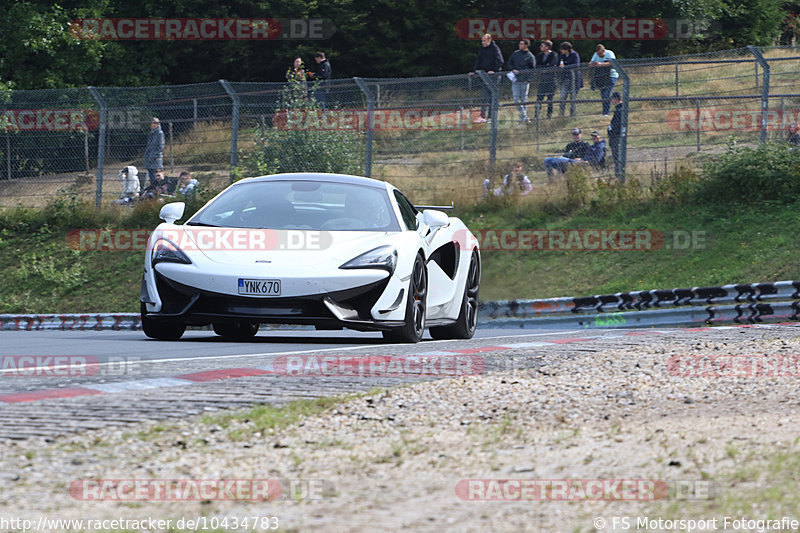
(603, 76)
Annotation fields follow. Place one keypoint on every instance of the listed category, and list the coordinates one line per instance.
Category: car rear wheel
(414, 326)
(163, 330)
(241, 331)
(467, 321)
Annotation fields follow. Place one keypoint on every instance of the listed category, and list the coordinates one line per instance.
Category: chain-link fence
(426, 135)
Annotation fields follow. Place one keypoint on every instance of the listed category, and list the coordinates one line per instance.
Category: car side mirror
(435, 219)
(172, 212)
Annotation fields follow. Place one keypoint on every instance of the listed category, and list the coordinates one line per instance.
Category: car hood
(290, 248)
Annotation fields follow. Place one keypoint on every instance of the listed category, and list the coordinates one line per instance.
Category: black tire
(414, 326)
(467, 320)
(242, 330)
(163, 330)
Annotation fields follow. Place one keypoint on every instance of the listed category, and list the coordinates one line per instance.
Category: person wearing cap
(574, 152)
(596, 156)
(154, 150)
(615, 131)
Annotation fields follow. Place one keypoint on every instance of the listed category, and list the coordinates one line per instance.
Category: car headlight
(164, 251)
(383, 257)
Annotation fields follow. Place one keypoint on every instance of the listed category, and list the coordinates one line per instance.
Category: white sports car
(329, 250)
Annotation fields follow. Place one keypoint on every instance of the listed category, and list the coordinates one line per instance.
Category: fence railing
(423, 134)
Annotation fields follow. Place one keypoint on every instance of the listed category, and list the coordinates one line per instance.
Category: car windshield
(307, 205)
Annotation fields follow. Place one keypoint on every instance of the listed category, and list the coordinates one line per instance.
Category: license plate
(260, 287)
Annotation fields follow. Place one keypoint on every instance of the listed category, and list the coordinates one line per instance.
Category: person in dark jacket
(521, 63)
(615, 131)
(490, 60)
(154, 150)
(575, 151)
(597, 151)
(546, 60)
(571, 78)
(322, 74)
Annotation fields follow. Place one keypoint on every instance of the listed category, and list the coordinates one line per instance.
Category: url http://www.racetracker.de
(200, 523)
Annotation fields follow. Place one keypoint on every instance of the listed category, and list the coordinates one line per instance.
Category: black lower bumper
(198, 307)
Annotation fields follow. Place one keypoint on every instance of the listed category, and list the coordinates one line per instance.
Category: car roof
(320, 176)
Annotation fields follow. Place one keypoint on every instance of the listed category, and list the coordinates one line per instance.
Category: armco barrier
(741, 304)
(84, 321)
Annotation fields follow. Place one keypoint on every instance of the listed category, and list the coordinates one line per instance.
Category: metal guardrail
(65, 321)
(740, 304)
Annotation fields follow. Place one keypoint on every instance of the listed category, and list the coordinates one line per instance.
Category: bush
(770, 172)
(310, 150)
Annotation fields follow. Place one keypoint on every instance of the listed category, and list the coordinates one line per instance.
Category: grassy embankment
(733, 243)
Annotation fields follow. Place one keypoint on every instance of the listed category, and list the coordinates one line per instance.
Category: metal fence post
(8, 154)
(101, 145)
(677, 90)
(697, 122)
(370, 125)
(764, 90)
(622, 149)
(490, 84)
(234, 125)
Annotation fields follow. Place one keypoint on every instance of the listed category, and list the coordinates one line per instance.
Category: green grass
(742, 244)
(267, 417)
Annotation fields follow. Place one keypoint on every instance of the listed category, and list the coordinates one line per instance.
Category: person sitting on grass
(161, 186)
(187, 185)
(574, 152)
(515, 182)
(597, 151)
(130, 185)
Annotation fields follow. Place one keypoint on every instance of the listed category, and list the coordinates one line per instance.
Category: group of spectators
(561, 70)
(184, 186)
(298, 77)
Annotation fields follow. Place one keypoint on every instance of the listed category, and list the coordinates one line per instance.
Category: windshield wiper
(193, 223)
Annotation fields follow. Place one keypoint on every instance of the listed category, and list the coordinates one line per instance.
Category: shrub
(309, 150)
(770, 172)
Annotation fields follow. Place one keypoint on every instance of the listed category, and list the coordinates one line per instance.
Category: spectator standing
(322, 74)
(615, 132)
(297, 76)
(520, 64)
(154, 150)
(571, 78)
(603, 76)
(547, 60)
(597, 151)
(490, 60)
(187, 185)
(575, 151)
